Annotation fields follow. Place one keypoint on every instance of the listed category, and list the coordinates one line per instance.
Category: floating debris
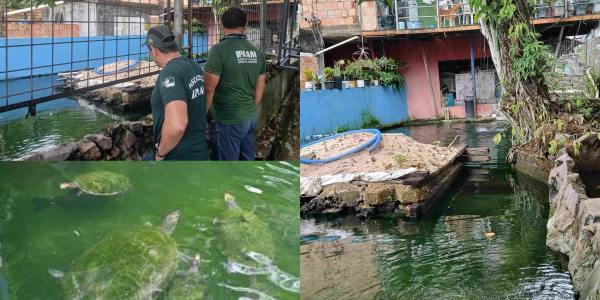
(56, 273)
(489, 234)
(252, 189)
(277, 179)
(76, 233)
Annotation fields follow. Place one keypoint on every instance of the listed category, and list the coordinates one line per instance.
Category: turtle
(190, 285)
(92, 189)
(241, 233)
(100, 183)
(135, 264)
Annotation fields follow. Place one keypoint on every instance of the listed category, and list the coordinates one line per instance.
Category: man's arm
(260, 88)
(176, 120)
(210, 84)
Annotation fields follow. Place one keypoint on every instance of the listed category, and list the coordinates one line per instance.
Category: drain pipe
(336, 45)
(473, 77)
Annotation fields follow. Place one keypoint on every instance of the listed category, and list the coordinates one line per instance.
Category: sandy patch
(89, 77)
(431, 157)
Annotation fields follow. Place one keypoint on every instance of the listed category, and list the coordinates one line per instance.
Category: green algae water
(445, 255)
(44, 229)
(58, 121)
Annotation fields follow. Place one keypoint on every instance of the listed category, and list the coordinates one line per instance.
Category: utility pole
(178, 26)
(263, 26)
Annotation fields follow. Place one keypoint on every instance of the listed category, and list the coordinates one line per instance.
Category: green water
(58, 121)
(438, 259)
(36, 238)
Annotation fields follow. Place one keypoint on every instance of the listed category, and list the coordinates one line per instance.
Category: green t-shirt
(182, 79)
(239, 63)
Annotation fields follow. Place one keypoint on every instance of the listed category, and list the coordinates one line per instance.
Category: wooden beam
(477, 151)
(437, 116)
(455, 142)
(478, 171)
(473, 158)
(461, 149)
(376, 33)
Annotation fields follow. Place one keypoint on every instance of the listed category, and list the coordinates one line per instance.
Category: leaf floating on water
(252, 189)
(76, 233)
(489, 234)
(56, 273)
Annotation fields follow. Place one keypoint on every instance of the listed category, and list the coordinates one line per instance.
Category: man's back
(238, 63)
(182, 79)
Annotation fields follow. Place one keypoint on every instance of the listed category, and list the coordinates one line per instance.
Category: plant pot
(580, 9)
(360, 83)
(317, 86)
(308, 86)
(329, 85)
(352, 84)
(375, 82)
(558, 10)
(346, 84)
(337, 82)
(542, 12)
(367, 82)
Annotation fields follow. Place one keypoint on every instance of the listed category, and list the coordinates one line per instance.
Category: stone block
(88, 150)
(347, 192)
(60, 152)
(377, 195)
(589, 212)
(104, 142)
(114, 95)
(127, 97)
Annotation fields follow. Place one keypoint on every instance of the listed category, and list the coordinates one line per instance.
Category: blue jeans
(232, 142)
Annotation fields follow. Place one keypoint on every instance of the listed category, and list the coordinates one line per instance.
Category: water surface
(38, 239)
(446, 254)
(58, 121)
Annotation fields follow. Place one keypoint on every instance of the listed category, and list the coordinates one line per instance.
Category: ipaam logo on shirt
(246, 57)
(169, 82)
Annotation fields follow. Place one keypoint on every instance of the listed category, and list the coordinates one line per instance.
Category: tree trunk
(523, 99)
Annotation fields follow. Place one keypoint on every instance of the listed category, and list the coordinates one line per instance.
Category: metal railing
(289, 48)
(74, 40)
(413, 14)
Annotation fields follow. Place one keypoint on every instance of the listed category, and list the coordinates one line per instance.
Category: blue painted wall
(21, 57)
(322, 111)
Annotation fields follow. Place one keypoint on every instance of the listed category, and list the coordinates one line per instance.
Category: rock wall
(574, 221)
(118, 141)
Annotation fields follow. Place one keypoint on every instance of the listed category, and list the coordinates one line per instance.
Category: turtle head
(68, 185)
(171, 221)
(230, 199)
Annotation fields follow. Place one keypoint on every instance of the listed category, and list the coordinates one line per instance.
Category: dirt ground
(382, 159)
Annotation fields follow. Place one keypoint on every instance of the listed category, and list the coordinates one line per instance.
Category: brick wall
(368, 13)
(307, 62)
(39, 30)
(330, 12)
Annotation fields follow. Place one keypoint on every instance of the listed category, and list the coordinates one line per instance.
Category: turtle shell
(103, 183)
(192, 287)
(240, 232)
(130, 265)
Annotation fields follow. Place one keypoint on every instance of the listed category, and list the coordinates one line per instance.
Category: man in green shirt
(178, 100)
(235, 82)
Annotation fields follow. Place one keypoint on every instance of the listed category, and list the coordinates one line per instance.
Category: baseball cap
(159, 36)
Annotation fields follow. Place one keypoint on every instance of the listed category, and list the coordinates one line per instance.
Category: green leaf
(536, 134)
(514, 132)
(497, 138)
(552, 148)
(560, 124)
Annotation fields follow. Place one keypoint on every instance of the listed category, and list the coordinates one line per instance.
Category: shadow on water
(446, 254)
(37, 245)
(58, 121)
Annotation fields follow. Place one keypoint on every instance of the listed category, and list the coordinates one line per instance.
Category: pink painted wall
(420, 105)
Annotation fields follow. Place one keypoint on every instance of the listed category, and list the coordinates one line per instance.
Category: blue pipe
(373, 142)
(121, 69)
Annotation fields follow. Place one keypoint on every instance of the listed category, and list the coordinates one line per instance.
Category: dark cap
(159, 36)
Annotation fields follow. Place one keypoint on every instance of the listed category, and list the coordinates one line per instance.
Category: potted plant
(389, 73)
(329, 83)
(318, 81)
(308, 76)
(337, 75)
(352, 71)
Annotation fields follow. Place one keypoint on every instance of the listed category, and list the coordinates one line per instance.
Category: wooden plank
(461, 149)
(478, 171)
(440, 189)
(415, 180)
(473, 158)
(455, 142)
(477, 151)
